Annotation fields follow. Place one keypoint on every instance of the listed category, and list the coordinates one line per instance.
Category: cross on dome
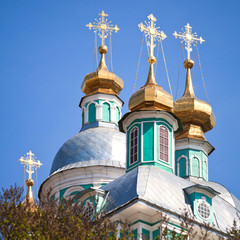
(152, 32)
(31, 163)
(189, 38)
(103, 27)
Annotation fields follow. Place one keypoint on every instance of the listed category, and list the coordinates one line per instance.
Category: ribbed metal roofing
(165, 190)
(94, 146)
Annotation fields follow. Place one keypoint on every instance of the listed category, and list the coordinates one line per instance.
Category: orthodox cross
(189, 38)
(103, 27)
(31, 163)
(152, 32)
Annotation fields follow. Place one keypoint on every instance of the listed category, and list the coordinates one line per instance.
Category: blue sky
(46, 50)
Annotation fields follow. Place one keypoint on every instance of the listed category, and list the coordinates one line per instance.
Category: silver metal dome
(92, 147)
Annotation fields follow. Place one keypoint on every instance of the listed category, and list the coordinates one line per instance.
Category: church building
(151, 160)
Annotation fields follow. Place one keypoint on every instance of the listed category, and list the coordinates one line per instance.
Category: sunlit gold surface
(29, 196)
(102, 81)
(151, 96)
(196, 115)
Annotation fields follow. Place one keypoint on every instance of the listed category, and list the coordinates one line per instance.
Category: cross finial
(189, 38)
(152, 32)
(103, 27)
(31, 163)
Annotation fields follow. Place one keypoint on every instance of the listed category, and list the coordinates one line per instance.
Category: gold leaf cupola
(102, 81)
(196, 115)
(151, 96)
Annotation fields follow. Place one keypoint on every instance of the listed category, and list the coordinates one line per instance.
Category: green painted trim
(135, 234)
(155, 234)
(139, 120)
(106, 112)
(86, 186)
(145, 233)
(148, 141)
(128, 166)
(152, 224)
(152, 163)
(83, 118)
(194, 197)
(170, 139)
(189, 153)
(62, 191)
(73, 193)
(92, 113)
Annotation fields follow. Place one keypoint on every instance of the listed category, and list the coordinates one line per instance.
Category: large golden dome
(102, 81)
(196, 115)
(151, 96)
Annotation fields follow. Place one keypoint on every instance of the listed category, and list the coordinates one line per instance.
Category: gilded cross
(152, 32)
(189, 38)
(103, 27)
(30, 162)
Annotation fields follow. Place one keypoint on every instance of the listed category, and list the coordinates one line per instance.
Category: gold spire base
(102, 81)
(191, 131)
(151, 96)
(29, 200)
(193, 111)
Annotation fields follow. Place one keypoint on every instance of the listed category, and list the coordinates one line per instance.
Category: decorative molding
(189, 143)
(150, 114)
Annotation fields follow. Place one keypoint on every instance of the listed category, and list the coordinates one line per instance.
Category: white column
(113, 114)
(85, 115)
(98, 112)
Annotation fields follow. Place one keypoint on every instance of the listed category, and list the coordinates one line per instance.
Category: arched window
(106, 112)
(195, 167)
(163, 143)
(182, 167)
(92, 113)
(134, 145)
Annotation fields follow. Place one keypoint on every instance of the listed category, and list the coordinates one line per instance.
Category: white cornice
(189, 143)
(100, 96)
(150, 114)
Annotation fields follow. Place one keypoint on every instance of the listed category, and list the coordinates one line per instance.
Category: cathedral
(152, 159)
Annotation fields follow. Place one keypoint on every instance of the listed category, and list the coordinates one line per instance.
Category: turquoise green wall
(190, 153)
(83, 119)
(149, 149)
(182, 167)
(194, 197)
(145, 234)
(92, 113)
(196, 167)
(148, 141)
(62, 191)
(135, 234)
(155, 234)
(106, 112)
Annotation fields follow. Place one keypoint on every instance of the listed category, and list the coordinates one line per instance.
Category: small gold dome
(196, 115)
(151, 96)
(102, 81)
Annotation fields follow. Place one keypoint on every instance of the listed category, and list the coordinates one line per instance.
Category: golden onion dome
(102, 81)
(151, 96)
(196, 115)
